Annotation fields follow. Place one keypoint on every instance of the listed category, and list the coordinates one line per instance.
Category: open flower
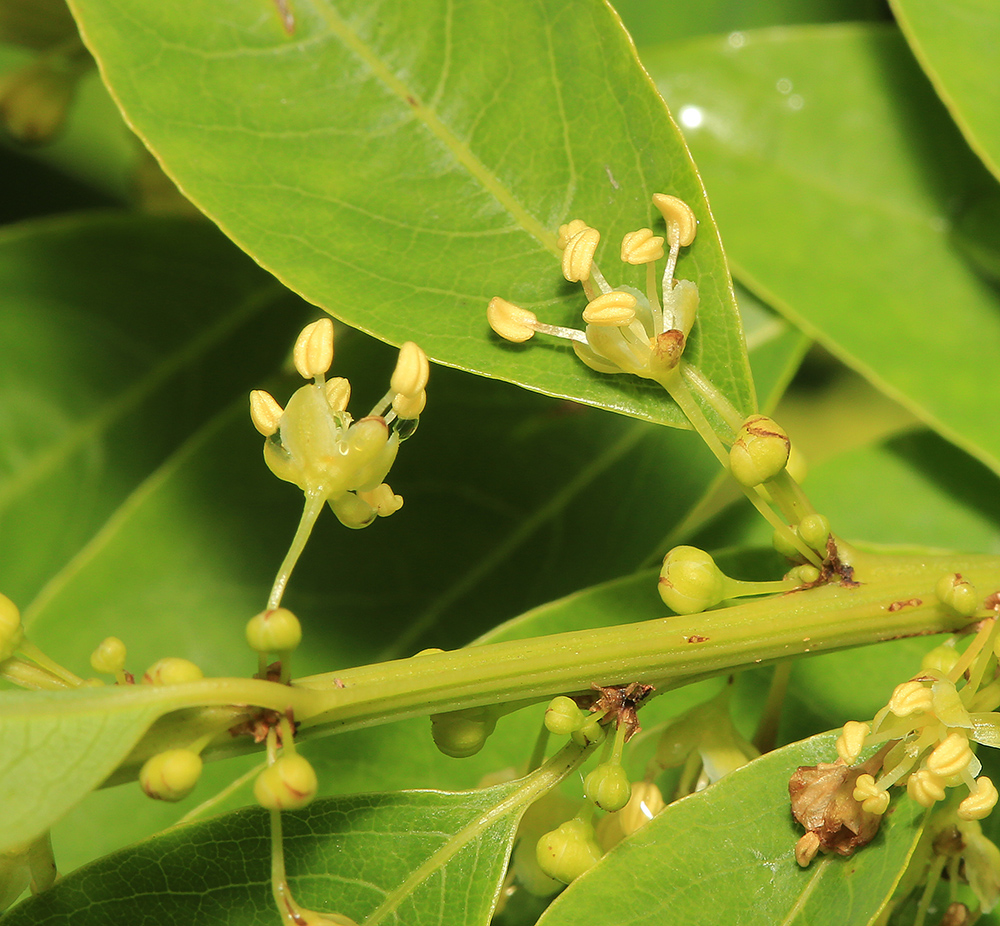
(626, 331)
(315, 443)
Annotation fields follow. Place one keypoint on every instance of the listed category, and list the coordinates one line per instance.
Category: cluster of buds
(315, 443)
(627, 331)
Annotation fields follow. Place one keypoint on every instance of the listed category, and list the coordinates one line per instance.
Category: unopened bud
(569, 851)
(172, 670)
(11, 629)
(313, 352)
(289, 784)
(759, 452)
(563, 716)
(460, 734)
(171, 775)
(690, 581)
(814, 529)
(608, 787)
(274, 631)
(109, 657)
(958, 594)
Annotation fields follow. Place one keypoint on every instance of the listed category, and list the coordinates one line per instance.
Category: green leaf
(414, 857)
(57, 747)
(857, 203)
(706, 858)
(400, 169)
(956, 43)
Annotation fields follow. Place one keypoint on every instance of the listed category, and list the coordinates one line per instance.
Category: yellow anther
(851, 741)
(640, 247)
(610, 310)
(951, 756)
(265, 412)
(568, 230)
(873, 798)
(910, 698)
(925, 787)
(313, 353)
(510, 321)
(338, 393)
(409, 406)
(681, 223)
(578, 257)
(980, 802)
(383, 500)
(410, 376)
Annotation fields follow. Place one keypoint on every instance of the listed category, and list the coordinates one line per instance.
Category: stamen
(610, 310)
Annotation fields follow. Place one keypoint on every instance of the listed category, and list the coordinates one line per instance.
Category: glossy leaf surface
(399, 165)
(704, 858)
(349, 855)
(956, 43)
(839, 213)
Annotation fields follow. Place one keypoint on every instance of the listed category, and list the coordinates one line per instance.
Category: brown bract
(823, 802)
(622, 702)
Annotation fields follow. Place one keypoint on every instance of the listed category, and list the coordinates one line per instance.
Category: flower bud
(641, 247)
(34, 101)
(313, 352)
(11, 629)
(644, 804)
(958, 594)
(109, 657)
(589, 732)
(460, 734)
(610, 310)
(814, 529)
(171, 775)
(681, 223)
(172, 670)
(412, 369)
(563, 716)
(941, 659)
(759, 452)
(578, 257)
(510, 321)
(265, 412)
(608, 787)
(289, 784)
(274, 631)
(569, 851)
(690, 581)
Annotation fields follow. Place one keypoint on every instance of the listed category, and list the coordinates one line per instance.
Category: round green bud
(608, 787)
(814, 529)
(171, 775)
(958, 594)
(759, 452)
(562, 716)
(942, 658)
(569, 851)
(785, 547)
(274, 631)
(289, 784)
(172, 670)
(589, 732)
(803, 575)
(11, 630)
(528, 872)
(109, 657)
(690, 581)
(460, 734)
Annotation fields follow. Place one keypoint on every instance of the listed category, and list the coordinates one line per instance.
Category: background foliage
(384, 167)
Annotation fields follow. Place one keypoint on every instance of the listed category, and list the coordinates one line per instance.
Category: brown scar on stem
(696, 638)
(905, 603)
